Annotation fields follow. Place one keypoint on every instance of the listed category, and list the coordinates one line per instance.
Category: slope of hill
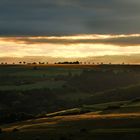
(89, 126)
(71, 102)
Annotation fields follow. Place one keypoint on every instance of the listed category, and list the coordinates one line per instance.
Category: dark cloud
(65, 17)
(126, 40)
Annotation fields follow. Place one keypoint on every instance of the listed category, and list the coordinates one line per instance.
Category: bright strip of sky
(70, 46)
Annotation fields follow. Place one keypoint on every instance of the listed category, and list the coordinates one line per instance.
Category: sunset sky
(69, 28)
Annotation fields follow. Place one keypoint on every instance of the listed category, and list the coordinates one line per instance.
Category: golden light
(42, 46)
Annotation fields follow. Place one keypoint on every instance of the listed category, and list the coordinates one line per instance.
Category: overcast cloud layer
(66, 17)
(118, 40)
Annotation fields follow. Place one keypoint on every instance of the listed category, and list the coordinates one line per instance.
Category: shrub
(15, 130)
(0, 130)
(113, 107)
(37, 138)
(136, 100)
(83, 130)
(63, 138)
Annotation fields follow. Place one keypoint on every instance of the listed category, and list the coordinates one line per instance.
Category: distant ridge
(114, 59)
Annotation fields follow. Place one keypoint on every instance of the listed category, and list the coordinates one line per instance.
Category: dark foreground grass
(40, 135)
(76, 127)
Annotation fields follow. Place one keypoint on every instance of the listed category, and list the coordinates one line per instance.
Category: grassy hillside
(118, 94)
(69, 102)
(85, 126)
(30, 90)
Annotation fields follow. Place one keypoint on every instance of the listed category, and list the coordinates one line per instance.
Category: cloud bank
(68, 17)
(70, 46)
(119, 40)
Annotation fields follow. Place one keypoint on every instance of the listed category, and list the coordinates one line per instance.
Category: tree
(34, 63)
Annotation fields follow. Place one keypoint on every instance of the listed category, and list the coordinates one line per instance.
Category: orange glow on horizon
(50, 46)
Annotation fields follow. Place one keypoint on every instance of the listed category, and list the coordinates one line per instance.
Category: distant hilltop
(107, 59)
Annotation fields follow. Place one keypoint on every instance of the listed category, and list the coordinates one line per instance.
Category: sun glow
(68, 46)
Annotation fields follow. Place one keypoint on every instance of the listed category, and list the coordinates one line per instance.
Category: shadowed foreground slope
(87, 126)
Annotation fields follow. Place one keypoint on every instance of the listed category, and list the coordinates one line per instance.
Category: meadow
(69, 102)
